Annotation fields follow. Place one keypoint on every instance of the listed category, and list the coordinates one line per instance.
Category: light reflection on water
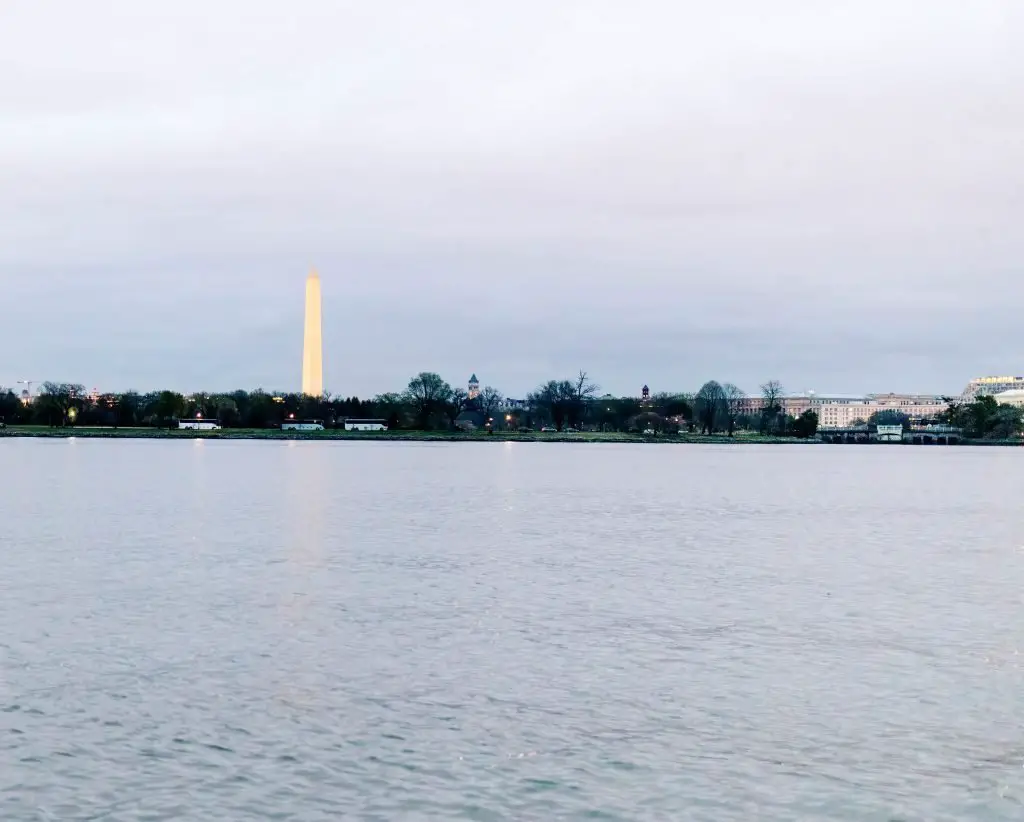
(509, 631)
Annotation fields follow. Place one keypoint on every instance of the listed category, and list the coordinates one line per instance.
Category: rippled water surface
(314, 631)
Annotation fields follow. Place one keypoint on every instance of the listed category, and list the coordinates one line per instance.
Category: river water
(312, 631)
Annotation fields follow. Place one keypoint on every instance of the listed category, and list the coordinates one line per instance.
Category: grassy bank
(387, 436)
(741, 437)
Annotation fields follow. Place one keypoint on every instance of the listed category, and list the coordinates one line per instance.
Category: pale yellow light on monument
(313, 342)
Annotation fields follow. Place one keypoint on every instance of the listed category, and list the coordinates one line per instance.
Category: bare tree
(541, 402)
(57, 400)
(455, 405)
(391, 407)
(673, 405)
(488, 401)
(581, 395)
(427, 395)
(167, 406)
(553, 401)
(11, 407)
(734, 398)
(772, 394)
(710, 407)
(584, 388)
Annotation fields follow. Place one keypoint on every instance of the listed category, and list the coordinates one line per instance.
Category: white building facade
(1014, 398)
(845, 410)
(987, 386)
(842, 412)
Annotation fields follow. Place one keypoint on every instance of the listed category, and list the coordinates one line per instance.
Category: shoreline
(334, 435)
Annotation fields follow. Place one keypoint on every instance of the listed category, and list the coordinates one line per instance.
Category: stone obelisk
(313, 343)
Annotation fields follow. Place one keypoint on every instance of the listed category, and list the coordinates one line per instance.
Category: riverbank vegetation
(341, 435)
(431, 409)
(985, 419)
(428, 404)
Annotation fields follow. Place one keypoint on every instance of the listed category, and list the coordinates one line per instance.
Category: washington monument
(313, 344)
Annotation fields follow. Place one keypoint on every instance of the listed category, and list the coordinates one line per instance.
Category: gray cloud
(660, 192)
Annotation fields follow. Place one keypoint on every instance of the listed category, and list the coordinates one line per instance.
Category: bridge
(934, 435)
(927, 435)
(844, 435)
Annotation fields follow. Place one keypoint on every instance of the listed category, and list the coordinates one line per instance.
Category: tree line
(427, 403)
(984, 418)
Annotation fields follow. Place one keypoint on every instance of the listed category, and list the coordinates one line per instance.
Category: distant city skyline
(975, 387)
(660, 193)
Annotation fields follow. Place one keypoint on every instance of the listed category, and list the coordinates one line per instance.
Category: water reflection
(308, 473)
(307, 485)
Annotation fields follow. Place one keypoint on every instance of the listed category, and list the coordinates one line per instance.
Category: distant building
(797, 404)
(843, 410)
(749, 406)
(792, 406)
(839, 412)
(474, 387)
(987, 386)
(645, 395)
(509, 404)
(1014, 398)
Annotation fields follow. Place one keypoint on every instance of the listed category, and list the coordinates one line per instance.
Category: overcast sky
(827, 192)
